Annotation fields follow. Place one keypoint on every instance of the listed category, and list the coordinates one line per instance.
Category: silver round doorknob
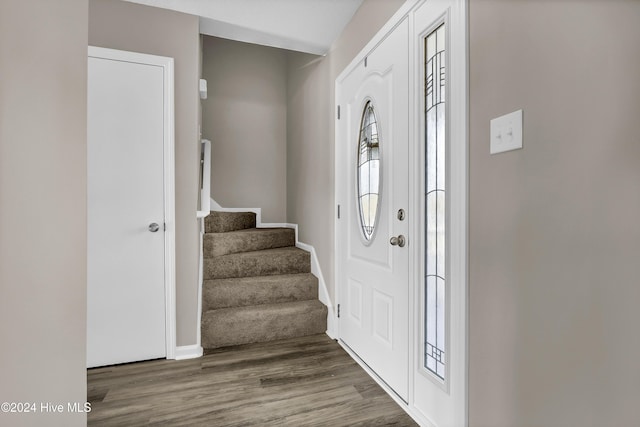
(153, 227)
(397, 241)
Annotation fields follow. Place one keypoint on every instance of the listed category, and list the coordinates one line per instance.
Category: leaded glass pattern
(368, 171)
(435, 202)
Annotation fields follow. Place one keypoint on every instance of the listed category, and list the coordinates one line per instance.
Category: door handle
(397, 241)
(153, 227)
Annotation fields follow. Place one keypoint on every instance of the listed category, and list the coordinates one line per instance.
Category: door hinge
(365, 61)
(165, 226)
(338, 211)
(338, 112)
(338, 311)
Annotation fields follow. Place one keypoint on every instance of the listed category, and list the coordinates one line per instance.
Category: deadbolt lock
(401, 214)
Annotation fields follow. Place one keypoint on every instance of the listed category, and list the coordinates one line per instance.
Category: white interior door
(126, 252)
(372, 187)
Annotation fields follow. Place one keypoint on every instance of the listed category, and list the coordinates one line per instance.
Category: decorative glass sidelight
(368, 171)
(435, 203)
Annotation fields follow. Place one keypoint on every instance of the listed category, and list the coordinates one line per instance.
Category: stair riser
(224, 293)
(222, 222)
(222, 328)
(217, 244)
(256, 264)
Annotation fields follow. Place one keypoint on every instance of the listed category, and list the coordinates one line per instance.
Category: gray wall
(554, 228)
(310, 130)
(245, 117)
(43, 92)
(127, 26)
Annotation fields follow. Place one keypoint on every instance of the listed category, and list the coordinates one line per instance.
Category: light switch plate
(203, 89)
(506, 132)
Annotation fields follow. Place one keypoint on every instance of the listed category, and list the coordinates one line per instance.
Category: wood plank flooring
(308, 381)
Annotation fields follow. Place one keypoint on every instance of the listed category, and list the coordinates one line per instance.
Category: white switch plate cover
(506, 132)
(203, 89)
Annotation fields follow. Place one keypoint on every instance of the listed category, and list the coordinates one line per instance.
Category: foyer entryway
(307, 381)
(257, 285)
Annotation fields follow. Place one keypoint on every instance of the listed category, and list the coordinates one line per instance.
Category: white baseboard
(332, 322)
(184, 352)
(214, 206)
(323, 292)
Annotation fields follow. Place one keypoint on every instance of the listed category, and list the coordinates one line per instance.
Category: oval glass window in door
(368, 171)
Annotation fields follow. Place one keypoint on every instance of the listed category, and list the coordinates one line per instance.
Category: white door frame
(457, 20)
(169, 178)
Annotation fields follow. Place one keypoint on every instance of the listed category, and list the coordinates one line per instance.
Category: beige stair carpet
(258, 286)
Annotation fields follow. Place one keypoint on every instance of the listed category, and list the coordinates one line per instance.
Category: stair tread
(270, 278)
(245, 291)
(251, 230)
(219, 221)
(266, 262)
(264, 252)
(280, 307)
(247, 240)
(261, 323)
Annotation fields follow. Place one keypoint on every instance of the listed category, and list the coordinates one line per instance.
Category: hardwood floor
(308, 381)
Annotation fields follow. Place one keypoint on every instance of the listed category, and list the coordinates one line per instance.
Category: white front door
(372, 190)
(126, 305)
(401, 144)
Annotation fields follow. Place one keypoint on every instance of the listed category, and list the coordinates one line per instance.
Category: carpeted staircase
(257, 285)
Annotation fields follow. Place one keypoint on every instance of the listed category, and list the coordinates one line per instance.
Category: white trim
(169, 178)
(184, 352)
(460, 181)
(200, 281)
(214, 206)
(169, 211)
(205, 185)
(323, 292)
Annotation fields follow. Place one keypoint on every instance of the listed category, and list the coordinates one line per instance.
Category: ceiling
(309, 26)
